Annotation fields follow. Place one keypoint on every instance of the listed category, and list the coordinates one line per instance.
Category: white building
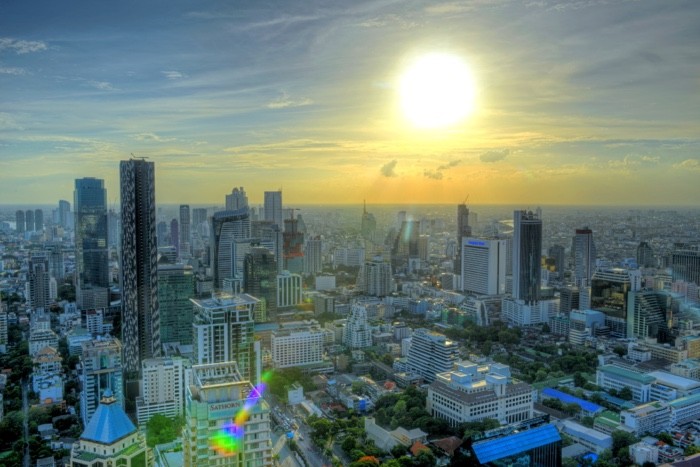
(101, 370)
(297, 347)
(614, 377)
(652, 417)
(162, 388)
(483, 266)
(592, 439)
(519, 313)
(325, 282)
(376, 278)
(685, 410)
(431, 353)
(474, 392)
(357, 333)
(288, 289)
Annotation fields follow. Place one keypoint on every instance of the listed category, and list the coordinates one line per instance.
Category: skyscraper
(376, 278)
(431, 353)
(139, 268)
(293, 249)
(175, 236)
(527, 252)
(583, 253)
(483, 266)
(260, 276)
(38, 281)
(175, 289)
(313, 255)
(64, 213)
(557, 252)
(273, 208)
(91, 249)
(357, 333)
(29, 220)
(236, 200)
(226, 228)
(645, 256)
(38, 220)
(369, 224)
(685, 265)
(185, 234)
(20, 223)
(463, 230)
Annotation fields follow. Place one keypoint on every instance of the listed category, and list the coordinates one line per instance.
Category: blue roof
(569, 399)
(108, 424)
(491, 450)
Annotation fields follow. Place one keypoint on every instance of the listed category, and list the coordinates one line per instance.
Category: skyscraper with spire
(463, 230)
(139, 270)
(369, 223)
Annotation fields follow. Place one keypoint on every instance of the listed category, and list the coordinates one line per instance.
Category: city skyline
(576, 102)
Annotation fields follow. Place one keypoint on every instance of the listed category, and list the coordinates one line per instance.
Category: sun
(437, 90)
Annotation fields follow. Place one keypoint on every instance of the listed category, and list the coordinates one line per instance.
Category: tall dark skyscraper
(139, 268)
(463, 230)
(20, 223)
(685, 265)
(527, 252)
(38, 220)
(260, 276)
(185, 234)
(558, 254)
(38, 279)
(293, 248)
(29, 220)
(175, 235)
(645, 256)
(64, 213)
(91, 249)
(583, 253)
(273, 208)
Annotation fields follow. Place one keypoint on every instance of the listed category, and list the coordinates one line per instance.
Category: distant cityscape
(257, 335)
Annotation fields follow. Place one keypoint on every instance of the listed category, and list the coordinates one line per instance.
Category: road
(25, 411)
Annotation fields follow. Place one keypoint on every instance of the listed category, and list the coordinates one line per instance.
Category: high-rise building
(288, 289)
(176, 286)
(101, 363)
(527, 253)
(610, 294)
(38, 220)
(273, 208)
(583, 254)
(223, 329)
(162, 233)
(162, 388)
(270, 236)
(226, 228)
(175, 235)
(260, 276)
(313, 256)
(236, 200)
(558, 254)
(20, 222)
(185, 234)
(139, 268)
(113, 228)
(569, 299)
(463, 230)
(645, 256)
(64, 214)
(199, 217)
(221, 404)
(483, 266)
(293, 246)
(29, 220)
(369, 224)
(357, 333)
(406, 244)
(91, 246)
(376, 278)
(685, 265)
(431, 353)
(298, 346)
(646, 314)
(38, 281)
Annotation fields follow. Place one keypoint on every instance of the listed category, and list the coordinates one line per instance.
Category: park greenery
(281, 381)
(161, 429)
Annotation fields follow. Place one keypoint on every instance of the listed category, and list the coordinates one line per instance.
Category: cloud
(12, 70)
(494, 156)
(434, 174)
(172, 74)
(450, 164)
(152, 137)
(632, 160)
(21, 47)
(285, 101)
(387, 169)
(102, 85)
(688, 164)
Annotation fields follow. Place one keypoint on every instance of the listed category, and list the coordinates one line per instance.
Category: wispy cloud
(102, 85)
(494, 156)
(688, 164)
(450, 164)
(21, 47)
(152, 137)
(387, 169)
(12, 70)
(173, 74)
(285, 101)
(434, 174)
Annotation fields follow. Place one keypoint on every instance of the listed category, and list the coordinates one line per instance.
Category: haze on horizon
(578, 102)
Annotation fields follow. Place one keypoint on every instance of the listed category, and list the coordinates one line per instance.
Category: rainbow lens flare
(228, 440)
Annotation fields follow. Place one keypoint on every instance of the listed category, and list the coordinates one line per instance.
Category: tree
(425, 458)
(692, 449)
(625, 393)
(621, 440)
(666, 438)
(579, 380)
(546, 329)
(161, 429)
(587, 421)
(398, 451)
(348, 444)
(620, 350)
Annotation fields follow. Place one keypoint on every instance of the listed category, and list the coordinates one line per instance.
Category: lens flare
(228, 440)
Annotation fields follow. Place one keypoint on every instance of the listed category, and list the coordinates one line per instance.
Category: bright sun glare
(437, 90)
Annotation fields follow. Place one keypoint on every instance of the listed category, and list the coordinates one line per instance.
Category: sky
(577, 102)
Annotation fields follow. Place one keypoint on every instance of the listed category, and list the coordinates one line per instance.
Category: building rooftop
(628, 374)
(685, 401)
(569, 399)
(109, 423)
(491, 450)
(675, 381)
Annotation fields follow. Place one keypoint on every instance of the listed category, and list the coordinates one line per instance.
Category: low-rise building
(653, 417)
(592, 439)
(615, 377)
